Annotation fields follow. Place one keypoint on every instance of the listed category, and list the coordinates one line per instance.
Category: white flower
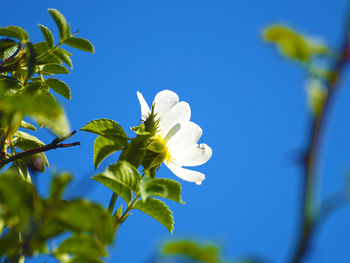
(178, 134)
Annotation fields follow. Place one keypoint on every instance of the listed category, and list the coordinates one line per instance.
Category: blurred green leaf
(161, 187)
(158, 210)
(140, 130)
(83, 245)
(10, 82)
(15, 32)
(83, 216)
(47, 35)
(27, 126)
(107, 128)
(292, 44)
(59, 86)
(80, 43)
(192, 250)
(58, 185)
(51, 69)
(121, 178)
(103, 147)
(60, 21)
(10, 244)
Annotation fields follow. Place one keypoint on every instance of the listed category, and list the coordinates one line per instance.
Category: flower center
(158, 145)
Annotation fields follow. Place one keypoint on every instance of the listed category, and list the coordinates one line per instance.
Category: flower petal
(144, 106)
(187, 136)
(186, 174)
(180, 112)
(164, 101)
(193, 156)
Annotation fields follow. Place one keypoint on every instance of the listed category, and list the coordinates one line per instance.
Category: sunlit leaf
(161, 187)
(121, 178)
(103, 147)
(80, 43)
(60, 21)
(158, 210)
(51, 69)
(107, 128)
(15, 32)
(47, 35)
(59, 86)
(27, 126)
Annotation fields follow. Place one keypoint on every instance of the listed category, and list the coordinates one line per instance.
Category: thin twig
(308, 219)
(56, 143)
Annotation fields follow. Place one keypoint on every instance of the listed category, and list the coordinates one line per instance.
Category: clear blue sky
(249, 101)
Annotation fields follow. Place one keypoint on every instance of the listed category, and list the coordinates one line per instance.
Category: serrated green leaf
(31, 60)
(27, 126)
(60, 21)
(202, 253)
(107, 128)
(103, 147)
(161, 187)
(82, 245)
(59, 86)
(51, 69)
(82, 216)
(58, 185)
(15, 32)
(121, 178)
(80, 43)
(158, 210)
(47, 35)
(64, 56)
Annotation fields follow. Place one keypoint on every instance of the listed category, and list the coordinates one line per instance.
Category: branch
(308, 219)
(56, 143)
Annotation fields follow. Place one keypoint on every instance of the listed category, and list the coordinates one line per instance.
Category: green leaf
(158, 210)
(51, 69)
(103, 147)
(59, 86)
(85, 260)
(292, 44)
(10, 82)
(58, 185)
(9, 52)
(15, 32)
(27, 126)
(83, 216)
(7, 43)
(42, 48)
(80, 43)
(140, 130)
(82, 245)
(47, 35)
(64, 56)
(60, 21)
(107, 128)
(202, 253)
(161, 187)
(26, 142)
(121, 178)
(31, 60)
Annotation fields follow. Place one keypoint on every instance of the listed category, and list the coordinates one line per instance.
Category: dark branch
(56, 143)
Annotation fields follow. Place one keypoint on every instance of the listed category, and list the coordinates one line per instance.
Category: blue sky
(249, 101)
